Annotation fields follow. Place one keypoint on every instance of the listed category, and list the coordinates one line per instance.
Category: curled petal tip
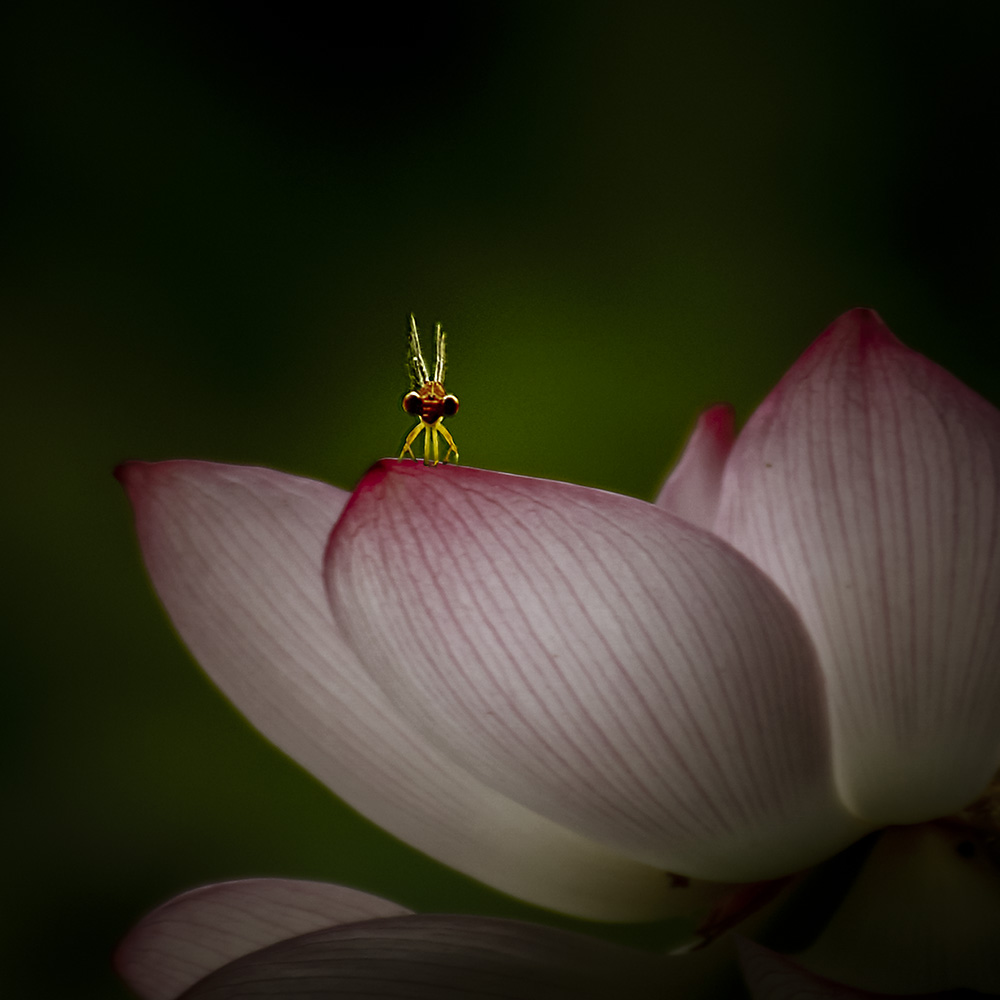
(692, 488)
(126, 472)
(716, 426)
(719, 418)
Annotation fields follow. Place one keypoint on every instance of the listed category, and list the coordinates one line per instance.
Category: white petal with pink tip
(593, 657)
(868, 486)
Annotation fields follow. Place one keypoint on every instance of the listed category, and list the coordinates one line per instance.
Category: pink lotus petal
(692, 489)
(439, 958)
(184, 940)
(596, 659)
(236, 554)
(868, 485)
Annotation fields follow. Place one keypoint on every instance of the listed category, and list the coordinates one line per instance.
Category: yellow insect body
(428, 401)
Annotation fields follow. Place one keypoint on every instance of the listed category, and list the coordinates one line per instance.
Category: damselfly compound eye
(428, 401)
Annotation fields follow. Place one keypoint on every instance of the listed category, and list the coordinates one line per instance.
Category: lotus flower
(566, 693)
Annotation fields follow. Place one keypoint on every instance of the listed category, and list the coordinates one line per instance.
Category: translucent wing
(415, 363)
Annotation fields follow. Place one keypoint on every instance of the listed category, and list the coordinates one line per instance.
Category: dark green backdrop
(215, 224)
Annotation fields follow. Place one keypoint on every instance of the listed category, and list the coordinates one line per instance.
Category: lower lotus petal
(868, 486)
(184, 940)
(235, 554)
(434, 958)
(596, 659)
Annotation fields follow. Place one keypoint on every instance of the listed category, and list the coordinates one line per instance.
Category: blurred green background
(215, 224)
